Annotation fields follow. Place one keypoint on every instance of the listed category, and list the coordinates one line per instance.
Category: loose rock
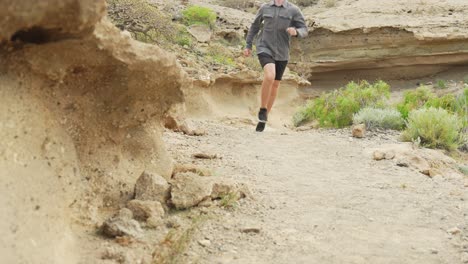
(379, 155)
(204, 242)
(205, 156)
(359, 131)
(142, 210)
(122, 224)
(454, 231)
(189, 189)
(255, 230)
(152, 187)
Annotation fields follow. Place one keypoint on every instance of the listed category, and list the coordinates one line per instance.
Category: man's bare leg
(269, 72)
(273, 93)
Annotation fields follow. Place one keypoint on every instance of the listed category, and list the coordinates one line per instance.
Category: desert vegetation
(426, 118)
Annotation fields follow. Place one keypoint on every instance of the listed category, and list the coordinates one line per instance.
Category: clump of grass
(199, 15)
(465, 79)
(441, 84)
(379, 118)
(219, 54)
(464, 170)
(336, 108)
(414, 99)
(304, 3)
(176, 242)
(184, 38)
(329, 3)
(434, 128)
(229, 200)
(461, 107)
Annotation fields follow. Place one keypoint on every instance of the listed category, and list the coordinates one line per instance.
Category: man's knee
(276, 84)
(269, 72)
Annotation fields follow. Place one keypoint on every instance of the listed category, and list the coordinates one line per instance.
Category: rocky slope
(80, 119)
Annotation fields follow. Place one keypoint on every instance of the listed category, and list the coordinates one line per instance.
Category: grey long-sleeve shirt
(273, 38)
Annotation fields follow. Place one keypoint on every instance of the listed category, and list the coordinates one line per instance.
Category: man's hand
(247, 52)
(292, 31)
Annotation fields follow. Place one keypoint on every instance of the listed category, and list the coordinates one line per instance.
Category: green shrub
(303, 114)
(465, 79)
(433, 128)
(460, 107)
(379, 118)
(336, 109)
(441, 84)
(199, 15)
(414, 99)
(219, 54)
(464, 170)
(184, 38)
(446, 102)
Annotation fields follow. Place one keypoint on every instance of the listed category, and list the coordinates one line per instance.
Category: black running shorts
(279, 65)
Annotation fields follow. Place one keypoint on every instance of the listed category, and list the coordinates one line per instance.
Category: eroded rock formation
(389, 40)
(80, 120)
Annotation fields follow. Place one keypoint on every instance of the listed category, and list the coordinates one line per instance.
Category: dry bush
(329, 3)
(145, 22)
(305, 3)
(238, 4)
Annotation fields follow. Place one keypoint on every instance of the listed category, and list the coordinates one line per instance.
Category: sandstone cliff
(80, 115)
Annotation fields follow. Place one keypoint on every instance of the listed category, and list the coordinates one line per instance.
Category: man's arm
(254, 28)
(300, 25)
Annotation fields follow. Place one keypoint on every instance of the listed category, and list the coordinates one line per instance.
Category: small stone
(143, 210)
(255, 230)
(206, 203)
(389, 155)
(426, 172)
(434, 251)
(198, 132)
(152, 187)
(402, 163)
(154, 222)
(205, 156)
(454, 231)
(378, 155)
(359, 131)
(173, 223)
(204, 242)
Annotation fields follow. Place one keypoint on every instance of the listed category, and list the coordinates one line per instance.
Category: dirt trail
(320, 198)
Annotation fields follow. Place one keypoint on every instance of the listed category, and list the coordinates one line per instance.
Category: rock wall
(391, 40)
(80, 120)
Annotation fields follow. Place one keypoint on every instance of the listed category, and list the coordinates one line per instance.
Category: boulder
(152, 187)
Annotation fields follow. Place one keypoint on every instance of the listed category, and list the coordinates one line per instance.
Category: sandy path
(320, 198)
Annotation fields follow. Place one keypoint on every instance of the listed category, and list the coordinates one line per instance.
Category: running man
(281, 21)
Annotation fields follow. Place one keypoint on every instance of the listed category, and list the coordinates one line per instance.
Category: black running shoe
(262, 119)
